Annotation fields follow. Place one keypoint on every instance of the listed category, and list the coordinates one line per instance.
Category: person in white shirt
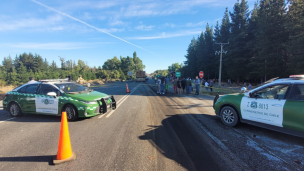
(158, 82)
(31, 80)
(206, 85)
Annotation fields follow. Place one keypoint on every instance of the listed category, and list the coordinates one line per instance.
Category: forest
(264, 43)
(18, 70)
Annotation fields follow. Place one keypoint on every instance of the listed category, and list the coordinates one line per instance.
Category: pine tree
(296, 39)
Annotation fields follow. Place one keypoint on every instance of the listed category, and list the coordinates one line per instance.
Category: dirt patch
(5, 89)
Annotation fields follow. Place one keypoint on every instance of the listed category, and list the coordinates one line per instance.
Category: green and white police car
(278, 105)
(51, 97)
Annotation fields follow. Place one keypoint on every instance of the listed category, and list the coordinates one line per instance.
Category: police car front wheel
(15, 110)
(229, 116)
(71, 112)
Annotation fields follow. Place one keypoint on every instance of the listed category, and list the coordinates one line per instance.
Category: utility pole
(221, 52)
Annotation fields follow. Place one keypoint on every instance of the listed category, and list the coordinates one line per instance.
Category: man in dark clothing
(183, 82)
(162, 86)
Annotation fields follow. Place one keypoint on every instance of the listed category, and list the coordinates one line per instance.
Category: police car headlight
(87, 102)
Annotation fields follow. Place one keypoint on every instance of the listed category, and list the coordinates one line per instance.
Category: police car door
(294, 108)
(265, 105)
(27, 98)
(46, 104)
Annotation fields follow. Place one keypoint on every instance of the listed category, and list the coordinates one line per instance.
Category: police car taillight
(296, 76)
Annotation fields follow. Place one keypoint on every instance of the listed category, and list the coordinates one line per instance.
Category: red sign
(201, 74)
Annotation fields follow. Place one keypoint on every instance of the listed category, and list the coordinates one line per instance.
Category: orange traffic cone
(128, 91)
(64, 146)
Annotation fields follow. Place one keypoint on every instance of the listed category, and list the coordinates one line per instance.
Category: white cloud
(195, 24)
(144, 27)
(8, 23)
(53, 46)
(164, 35)
(116, 22)
(169, 25)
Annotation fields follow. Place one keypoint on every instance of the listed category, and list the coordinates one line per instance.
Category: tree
(296, 36)
(112, 64)
(237, 58)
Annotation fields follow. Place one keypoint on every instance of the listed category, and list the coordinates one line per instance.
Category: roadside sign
(130, 73)
(201, 74)
(178, 74)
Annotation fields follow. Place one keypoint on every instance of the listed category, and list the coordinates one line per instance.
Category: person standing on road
(249, 87)
(206, 85)
(211, 85)
(162, 85)
(197, 85)
(31, 80)
(158, 84)
(167, 83)
(175, 85)
(188, 85)
(179, 86)
(183, 84)
(80, 80)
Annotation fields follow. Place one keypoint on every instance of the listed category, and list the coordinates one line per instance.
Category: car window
(22, 90)
(31, 88)
(71, 87)
(272, 92)
(297, 92)
(45, 88)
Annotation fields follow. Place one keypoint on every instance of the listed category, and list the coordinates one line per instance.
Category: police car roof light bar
(296, 76)
(55, 80)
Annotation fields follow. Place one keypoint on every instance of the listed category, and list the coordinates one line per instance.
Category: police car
(278, 105)
(51, 97)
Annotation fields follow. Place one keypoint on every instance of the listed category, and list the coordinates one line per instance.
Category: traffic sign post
(201, 74)
(178, 74)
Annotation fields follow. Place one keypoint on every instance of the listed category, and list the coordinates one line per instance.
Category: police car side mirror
(61, 87)
(53, 94)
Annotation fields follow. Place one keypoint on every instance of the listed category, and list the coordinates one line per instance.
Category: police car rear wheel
(229, 116)
(71, 112)
(15, 110)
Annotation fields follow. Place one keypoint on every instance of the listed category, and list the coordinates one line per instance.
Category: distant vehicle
(277, 105)
(147, 78)
(51, 97)
(140, 76)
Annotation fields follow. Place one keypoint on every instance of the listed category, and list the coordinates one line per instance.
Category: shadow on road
(47, 159)
(189, 106)
(36, 118)
(175, 141)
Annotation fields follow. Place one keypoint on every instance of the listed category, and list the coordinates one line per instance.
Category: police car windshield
(73, 88)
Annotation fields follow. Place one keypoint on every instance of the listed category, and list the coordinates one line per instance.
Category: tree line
(264, 43)
(17, 71)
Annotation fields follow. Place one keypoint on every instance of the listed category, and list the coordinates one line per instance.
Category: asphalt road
(147, 131)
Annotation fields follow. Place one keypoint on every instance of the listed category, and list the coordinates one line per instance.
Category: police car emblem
(47, 101)
(254, 105)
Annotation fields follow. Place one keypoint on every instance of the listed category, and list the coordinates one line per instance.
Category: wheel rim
(69, 112)
(228, 116)
(14, 110)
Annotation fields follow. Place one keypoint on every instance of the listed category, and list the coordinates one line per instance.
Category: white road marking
(7, 119)
(133, 90)
(101, 116)
(120, 101)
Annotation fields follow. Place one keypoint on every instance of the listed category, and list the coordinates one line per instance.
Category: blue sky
(94, 31)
